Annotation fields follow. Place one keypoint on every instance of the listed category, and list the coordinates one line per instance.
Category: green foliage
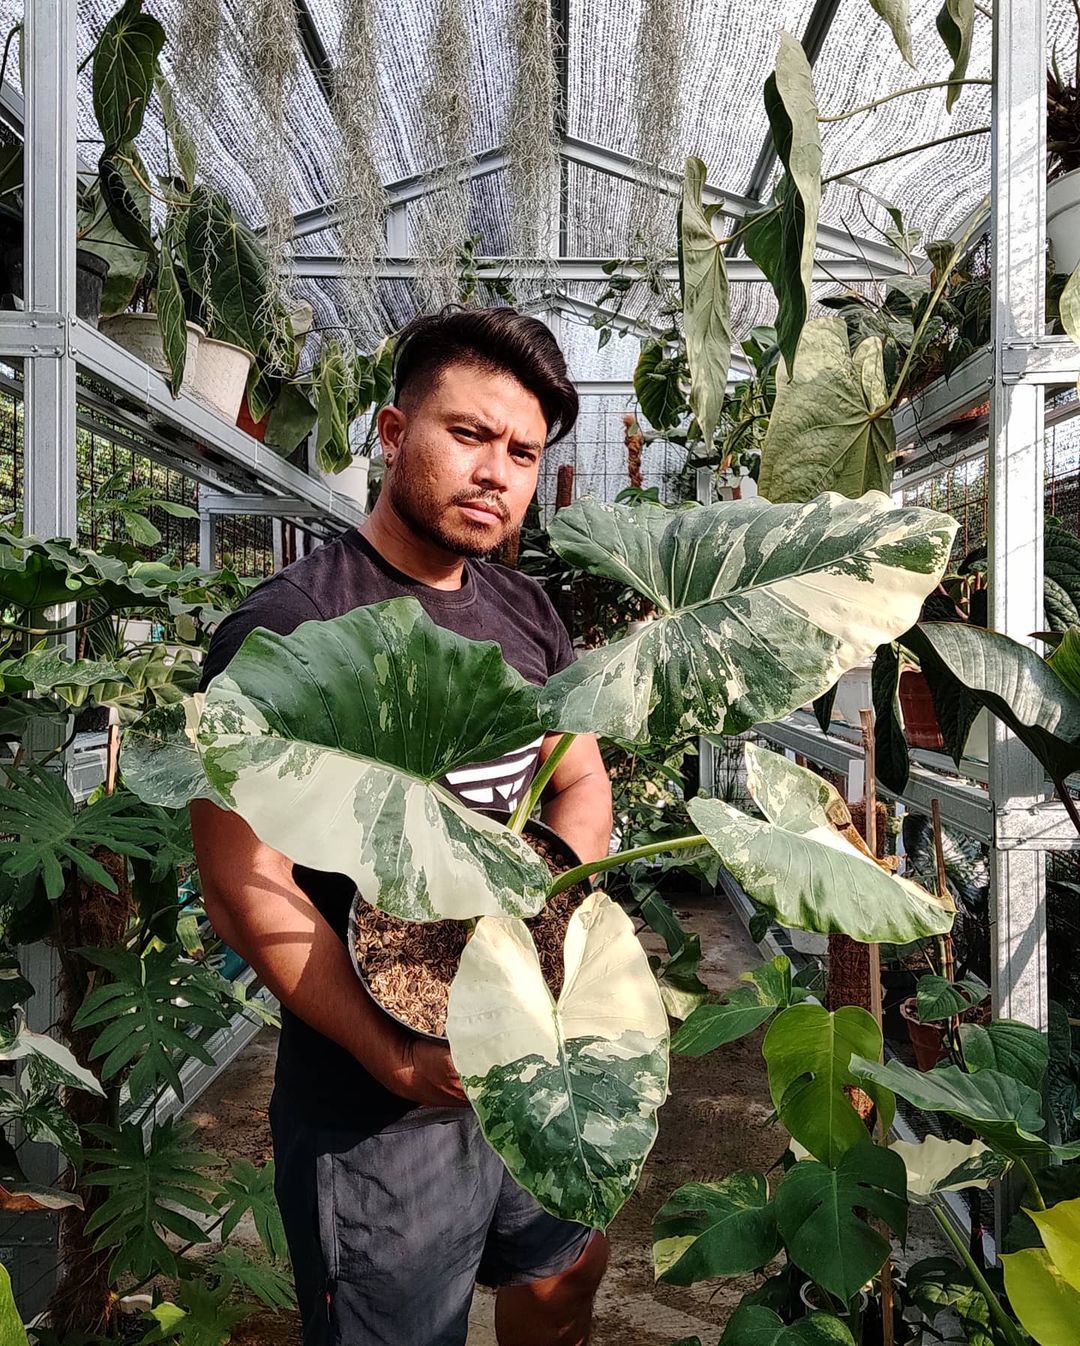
(124, 62)
(938, 1283)
(708, 1229)
(740, 1010)
(755, 1325)
(43, 1118)
(248, 1188)
(658, 386)
(706, 304)
(203, 1315)
(12, 1332)
(955, 24)
(936, 998)
(1007, 1047)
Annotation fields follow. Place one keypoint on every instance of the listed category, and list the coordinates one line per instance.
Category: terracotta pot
(256, 429)
(921, 727)
(927, 1040)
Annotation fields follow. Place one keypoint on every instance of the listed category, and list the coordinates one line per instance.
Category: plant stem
(47, 630)
(900, 93)
(1008, 1327)
(1033, 1187)
(582, 872)
(531, 797)
(1070, 803)
(912, 149)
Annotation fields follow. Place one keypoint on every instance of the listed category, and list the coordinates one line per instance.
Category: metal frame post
(1016, 467)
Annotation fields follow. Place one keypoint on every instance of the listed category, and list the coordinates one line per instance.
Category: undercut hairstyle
(500, 340)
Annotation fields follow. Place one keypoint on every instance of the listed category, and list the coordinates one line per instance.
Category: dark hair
(497, 339)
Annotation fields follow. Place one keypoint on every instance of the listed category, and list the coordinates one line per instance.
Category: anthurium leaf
(759, 607)
(1061, 576)
(740, 1010)
(98, 234)
(936, 998)
(706, 304)
(656, 387)
(228, 267)
(820, 1212)
(935, 1165)
(122, 177)
(292, 418)
(955, 23)
(800, 864)
(807, 1052)
(792, 111)
(708, 1229)
(895, 13)
(180, 141)
(566, 1093)
(171, 319)
(827, 431)
(360, 717)
(1008, 1047)
(125, 59)
(890, 745)
(1017, 686)
(756, 1325)
(1047, 1306)
(52, 1061)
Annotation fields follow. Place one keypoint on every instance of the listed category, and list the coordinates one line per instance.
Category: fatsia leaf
(955, 23)
(1040, 1295)
(800, 863)
(792, 111)
(759, 607)
(248, 1188)
(125, 59)
(708, 1229)
(756, 1325)
(763, 991)
(827, 431)
(935, 1165)
(52, 1061)
(153, 1188)
(808, 1052)
(1008, 1047)
(895, 13)
(656, 387)
(566, 1093)
(706, 304)
(360, 718)
(818, 1210)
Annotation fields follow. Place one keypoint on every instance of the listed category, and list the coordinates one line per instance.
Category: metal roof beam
(315, 53)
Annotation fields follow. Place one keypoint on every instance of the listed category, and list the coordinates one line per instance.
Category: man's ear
(391, 422)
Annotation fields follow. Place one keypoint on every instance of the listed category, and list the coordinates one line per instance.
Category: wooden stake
(112, 758)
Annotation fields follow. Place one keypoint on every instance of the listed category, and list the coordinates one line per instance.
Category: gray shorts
(390, 1233)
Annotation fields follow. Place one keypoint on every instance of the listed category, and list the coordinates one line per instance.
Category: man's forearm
(581, 814)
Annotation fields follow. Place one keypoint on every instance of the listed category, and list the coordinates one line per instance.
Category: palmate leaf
(268, 1283)
(358, 719)
(142, 1013)
(708, 1229)
(706, 304)
(759, 607)
(153, 1189)
(125, 59)
(763, 991)
(566, 1094)
(204, 1315)
(821, 1213)
(46, 834)
(803, 862)
(827, 431)
(248, 1188)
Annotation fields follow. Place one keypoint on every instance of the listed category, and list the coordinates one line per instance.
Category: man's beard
(423, 513)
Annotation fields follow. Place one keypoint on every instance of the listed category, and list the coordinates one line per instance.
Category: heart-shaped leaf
(706, 304)
(937, 998)
(759, 607)
(708, 1229)
(800, 864)
(755, 1325)
(820, 1212)
(125, 59)
(227, 266)
(827, 431)
(331, 742)
(1060, 1230)
(1008, 1047)
(656, 387)
(566, 1093)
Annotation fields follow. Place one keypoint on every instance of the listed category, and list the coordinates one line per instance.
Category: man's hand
(428, 1076)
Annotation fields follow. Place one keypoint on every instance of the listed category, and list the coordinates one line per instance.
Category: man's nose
(491, 467)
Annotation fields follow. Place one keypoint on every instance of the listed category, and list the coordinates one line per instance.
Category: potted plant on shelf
(1063, 164)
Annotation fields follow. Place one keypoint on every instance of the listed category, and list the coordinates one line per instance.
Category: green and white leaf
(798, 865)
(760, 607)
(331, 742)
(53, 1062)
(827, 431)
(160, 758)
(566, 1093)
(708, 1229)
(935, 1165)
(706, 304)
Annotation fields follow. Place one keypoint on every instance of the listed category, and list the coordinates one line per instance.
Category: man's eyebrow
(478, 423)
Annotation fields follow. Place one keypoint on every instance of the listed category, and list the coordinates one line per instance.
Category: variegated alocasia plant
(331, 743)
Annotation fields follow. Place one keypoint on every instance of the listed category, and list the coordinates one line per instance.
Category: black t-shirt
(320, 1080)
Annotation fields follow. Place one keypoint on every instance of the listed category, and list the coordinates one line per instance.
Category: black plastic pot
(567, 856)
(90, 273)
(896, 985)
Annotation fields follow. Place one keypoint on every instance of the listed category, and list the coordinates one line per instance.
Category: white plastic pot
(221, 376)
(352, 481)
(1063, 221)
(853, 693)
(140, 334)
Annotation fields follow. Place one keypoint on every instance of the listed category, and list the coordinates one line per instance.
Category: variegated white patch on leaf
(799, 864)
(160, 757)
(935, 1165)
(566, 1093)
(760, 607)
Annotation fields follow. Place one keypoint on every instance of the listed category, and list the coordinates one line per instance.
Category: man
(393, 1203)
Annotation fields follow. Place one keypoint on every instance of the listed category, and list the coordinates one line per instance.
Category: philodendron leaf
(937, 998)
(895, 14)
(755, 1325)
(566, 1093)
(820, 1212)
(828, 431)
(53, 1062)
(742, 1009)
(808, 1051)
(890, 745)
(160, 757)
(708, 1229)
(706, 304)
(955, 23)
(1041, 1297)
(1017, 686)
(759, 607)
(935, 1165)
(1060, 1230)
(331, 742)
(800, 864)
(1008, 1047)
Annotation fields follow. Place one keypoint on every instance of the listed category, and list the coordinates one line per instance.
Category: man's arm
(577, 802)
(258, 910)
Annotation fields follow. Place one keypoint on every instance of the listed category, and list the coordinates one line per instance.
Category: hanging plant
(196, 55)
(659, 54)
(362, 197)
(531, 136)
(442, 217)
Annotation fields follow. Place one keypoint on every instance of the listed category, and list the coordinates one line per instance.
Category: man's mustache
(496, 505)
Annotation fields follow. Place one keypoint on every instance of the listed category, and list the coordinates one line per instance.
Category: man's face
(462, 459)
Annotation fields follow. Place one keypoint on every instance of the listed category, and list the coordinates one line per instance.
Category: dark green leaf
(248, 1188)
(823, 708)
(122, 176)
(890, 746)
(125, 60)
(658, 390)
(710, 1229)
(955, 23)
(1008, 1047)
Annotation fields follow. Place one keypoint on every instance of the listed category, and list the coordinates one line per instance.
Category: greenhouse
(540, 673)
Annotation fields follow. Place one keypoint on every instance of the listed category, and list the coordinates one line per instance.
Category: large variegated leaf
(160, 759)
(330, 743)
(566, 1093)
(759, 607)
(827, 431)
(706, 304)
(935, 1165)
(800, 863)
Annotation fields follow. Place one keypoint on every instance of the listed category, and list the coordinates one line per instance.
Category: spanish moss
(531, 137)
(659, 57)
